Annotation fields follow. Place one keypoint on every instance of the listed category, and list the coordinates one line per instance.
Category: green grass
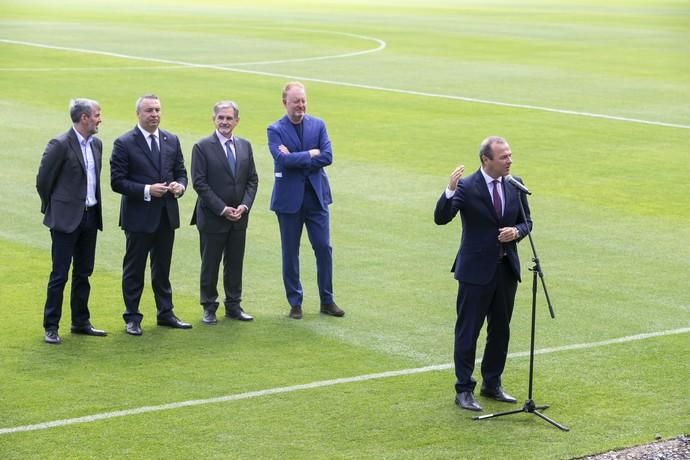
(611, 205)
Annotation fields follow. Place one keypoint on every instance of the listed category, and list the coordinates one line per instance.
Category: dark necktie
(155, 151)
(231, 156)
(498, 206)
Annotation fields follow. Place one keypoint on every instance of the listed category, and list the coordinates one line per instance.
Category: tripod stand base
(531, 408)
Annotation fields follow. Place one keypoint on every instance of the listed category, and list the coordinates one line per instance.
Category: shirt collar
(82, 141)
(489, 180)
(147, 134)
(224, 139)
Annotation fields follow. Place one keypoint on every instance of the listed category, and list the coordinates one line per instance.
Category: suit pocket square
(279, 174)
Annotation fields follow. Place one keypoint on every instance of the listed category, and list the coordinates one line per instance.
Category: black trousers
(159, 245)
(80, 246)
(494, 302)
(228, 246)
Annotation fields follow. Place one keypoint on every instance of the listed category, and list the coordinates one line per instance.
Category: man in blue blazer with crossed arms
(301, 194)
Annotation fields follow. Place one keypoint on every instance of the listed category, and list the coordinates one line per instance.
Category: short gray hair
(137, 106)
(81, 106)
(220, 105)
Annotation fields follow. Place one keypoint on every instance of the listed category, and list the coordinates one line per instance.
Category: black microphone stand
(530, 406)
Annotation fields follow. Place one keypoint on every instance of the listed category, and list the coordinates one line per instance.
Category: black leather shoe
(133, 328)
(88, 330)
(295, 312)
(173, 322)
(209, 317)
(466, 400)
(331, 309)
(52, 337)
(498, 394)
(238, 314)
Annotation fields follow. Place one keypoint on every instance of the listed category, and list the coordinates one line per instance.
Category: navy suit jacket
(132, 167)
(292, 170)
(217, 187)
(61, 182)
(475, 262)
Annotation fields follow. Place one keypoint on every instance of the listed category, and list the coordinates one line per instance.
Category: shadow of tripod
(530, 406)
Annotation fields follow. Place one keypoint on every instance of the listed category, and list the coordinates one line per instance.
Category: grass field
(594, 98)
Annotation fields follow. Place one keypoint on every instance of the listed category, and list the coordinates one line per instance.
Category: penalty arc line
(318, 384)
(350, 85)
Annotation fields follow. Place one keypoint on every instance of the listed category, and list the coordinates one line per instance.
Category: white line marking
(350, 85)
(380, 47)
(140, 68)
(318, 384)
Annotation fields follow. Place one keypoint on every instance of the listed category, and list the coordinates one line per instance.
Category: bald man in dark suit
(225, 180)
(68, 183)
(486, 266)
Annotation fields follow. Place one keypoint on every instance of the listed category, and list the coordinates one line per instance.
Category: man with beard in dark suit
(69, 185)
(225, 180)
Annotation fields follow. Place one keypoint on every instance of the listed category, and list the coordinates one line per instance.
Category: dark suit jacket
(292, 170)
(479, 250)
(61, 182)
(132, 167)
(217, 187)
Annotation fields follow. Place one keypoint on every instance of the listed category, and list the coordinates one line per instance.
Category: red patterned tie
(498, 206)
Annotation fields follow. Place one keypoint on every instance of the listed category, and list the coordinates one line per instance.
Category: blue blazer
(292, 170)
(475, 262)
(132, 167)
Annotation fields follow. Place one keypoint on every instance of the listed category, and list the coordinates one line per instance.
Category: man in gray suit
(68, 183)
(225, 180)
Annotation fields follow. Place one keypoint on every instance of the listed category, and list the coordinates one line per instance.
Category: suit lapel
(485, 194)
(96, 150)
(307, 128)
(240, 156)
(76, 149)
(220, 153)
(144, 146)
(166, 150)
(289, 130)
(512, 197)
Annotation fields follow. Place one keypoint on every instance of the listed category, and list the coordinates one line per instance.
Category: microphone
(517, 184)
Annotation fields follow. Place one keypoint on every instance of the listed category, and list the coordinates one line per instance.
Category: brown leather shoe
(295, 312)
(331, 309)
(466, 400)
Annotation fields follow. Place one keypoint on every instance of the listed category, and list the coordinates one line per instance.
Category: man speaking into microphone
(486, 266)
